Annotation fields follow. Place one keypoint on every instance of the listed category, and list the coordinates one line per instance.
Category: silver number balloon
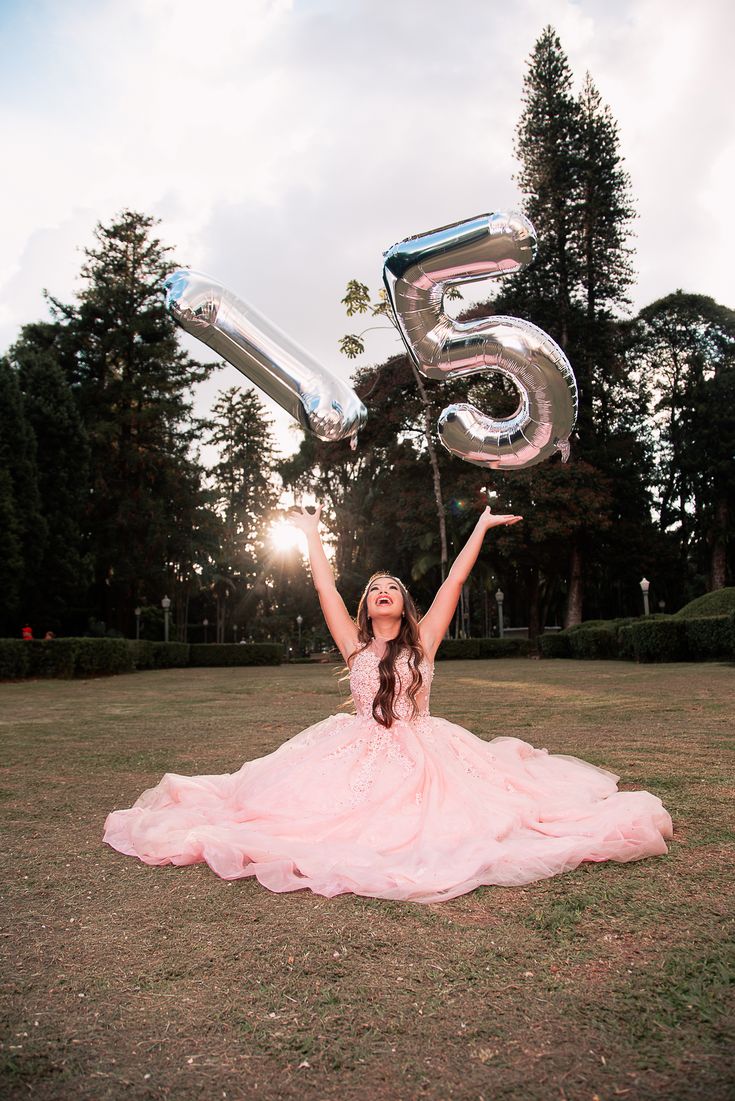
(321, 403)
(417, 272)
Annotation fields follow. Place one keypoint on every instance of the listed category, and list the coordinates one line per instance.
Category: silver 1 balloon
(417, 272)
(320, 402)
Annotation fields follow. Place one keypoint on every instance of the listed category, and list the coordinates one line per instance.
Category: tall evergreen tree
(577, 195)
(62, 460)
(133, 385)
(245, 495)
(25, 531)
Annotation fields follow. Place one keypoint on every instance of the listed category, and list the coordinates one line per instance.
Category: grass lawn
(126, 981)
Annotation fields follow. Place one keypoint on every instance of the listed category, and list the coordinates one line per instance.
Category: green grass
(123, 980)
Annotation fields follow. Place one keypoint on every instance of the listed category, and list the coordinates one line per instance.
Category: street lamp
(645, 586)
(205, 624)
(299, 621)
(234, 630)
(499, 598)
(165, 604)
(137, 624)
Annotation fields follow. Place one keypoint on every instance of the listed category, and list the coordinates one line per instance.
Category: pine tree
(25, 533)
(62, 460)
(133, 386)
(244, 496)
(576, 193)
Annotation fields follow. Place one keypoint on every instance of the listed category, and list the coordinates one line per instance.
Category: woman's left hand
(494, 520)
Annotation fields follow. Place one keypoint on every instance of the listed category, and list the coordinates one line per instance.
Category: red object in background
(27, 633)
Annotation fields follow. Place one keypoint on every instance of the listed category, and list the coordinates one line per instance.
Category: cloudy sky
(284, 144)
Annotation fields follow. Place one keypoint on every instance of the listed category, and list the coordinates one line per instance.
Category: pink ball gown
(423, 811)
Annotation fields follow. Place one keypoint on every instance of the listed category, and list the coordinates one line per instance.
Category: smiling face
(385, 598)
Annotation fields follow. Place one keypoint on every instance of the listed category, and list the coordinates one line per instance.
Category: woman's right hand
(305, 521)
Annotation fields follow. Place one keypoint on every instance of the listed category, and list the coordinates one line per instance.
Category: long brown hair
(406, 639)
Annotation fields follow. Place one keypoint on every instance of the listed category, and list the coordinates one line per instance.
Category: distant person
(48, 636)
(27, 633)
(391, 802)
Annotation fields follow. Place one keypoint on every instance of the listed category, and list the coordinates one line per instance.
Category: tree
(357, 300)
(133, 386)
(244, 497)
(577, 196)
(62, 463)
(685, 344)
(24, 530)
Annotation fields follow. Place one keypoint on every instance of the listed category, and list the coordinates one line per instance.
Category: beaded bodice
(365, 683)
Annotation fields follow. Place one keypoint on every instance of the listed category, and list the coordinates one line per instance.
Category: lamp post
(205, 624)
(299, 621)
(137, 624)
(165, 604)
(645, 586)
(234, 630)
(499, 598)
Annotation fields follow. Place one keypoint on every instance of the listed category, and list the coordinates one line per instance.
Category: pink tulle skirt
(422, 812)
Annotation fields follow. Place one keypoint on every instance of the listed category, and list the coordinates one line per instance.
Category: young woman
(392, 803)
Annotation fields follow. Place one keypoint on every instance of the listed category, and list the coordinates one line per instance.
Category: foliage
(15, 658)
(169, 655)
(710, 637)
(684, 347)
(250, 653)
(463, 649)
(23, 529)
(133, 387)
(555, 645)
(595, 642)
(719, 602)
(650, 639)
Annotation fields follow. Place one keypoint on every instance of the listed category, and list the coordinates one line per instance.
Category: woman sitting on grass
(391, 802)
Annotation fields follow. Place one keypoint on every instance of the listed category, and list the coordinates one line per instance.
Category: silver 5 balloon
(320, 402)
(417, 272)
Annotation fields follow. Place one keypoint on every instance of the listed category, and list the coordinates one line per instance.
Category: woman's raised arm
(433, 626)
(341, 625)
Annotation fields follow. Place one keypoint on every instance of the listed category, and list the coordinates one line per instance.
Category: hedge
(718, 602)
(464, 649)
(170, 655)
(655, 640)
(15, 658)
(555, 645)
(248, 653)
(594, 643)
(711, 637)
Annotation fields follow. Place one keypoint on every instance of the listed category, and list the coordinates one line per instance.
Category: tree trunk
(719, 546)
(573, 614)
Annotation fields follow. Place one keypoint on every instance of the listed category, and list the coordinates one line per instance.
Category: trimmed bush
(458, 649)
(228, 653)
(710, 637)
(53, 658)
(555, 645)
(471, 649)
(504, 647)
(719, 602)
(169, 655)
(141, 653)
(594, 643)
(15, 658)
(100, 656)
(655, 640)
